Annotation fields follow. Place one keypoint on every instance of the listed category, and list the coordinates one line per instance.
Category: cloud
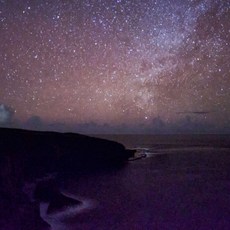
(195, 112)
(6, 114)
(34, 122)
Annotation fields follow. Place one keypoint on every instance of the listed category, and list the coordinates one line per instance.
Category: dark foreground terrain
(82, 183)
(28, 156)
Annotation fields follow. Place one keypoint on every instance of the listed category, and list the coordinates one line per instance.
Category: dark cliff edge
(51, 151)
(26, 155)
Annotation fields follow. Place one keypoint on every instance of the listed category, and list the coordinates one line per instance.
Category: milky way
(116, 61)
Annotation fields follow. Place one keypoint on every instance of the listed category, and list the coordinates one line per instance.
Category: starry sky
(115, 61)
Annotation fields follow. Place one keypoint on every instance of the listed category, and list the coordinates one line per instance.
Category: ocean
(183, 182)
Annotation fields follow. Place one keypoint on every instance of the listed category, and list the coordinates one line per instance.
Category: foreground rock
(48, 192)
(27, 155)
(50, 151)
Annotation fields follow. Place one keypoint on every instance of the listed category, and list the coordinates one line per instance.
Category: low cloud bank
(6, 114)
(189, 123)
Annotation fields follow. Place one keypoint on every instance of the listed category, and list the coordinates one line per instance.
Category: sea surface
(182, 183)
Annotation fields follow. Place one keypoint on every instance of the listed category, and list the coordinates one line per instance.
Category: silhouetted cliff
(27, 155)
(50, 151)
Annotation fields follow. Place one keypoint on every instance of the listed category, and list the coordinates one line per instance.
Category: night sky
(115, 61)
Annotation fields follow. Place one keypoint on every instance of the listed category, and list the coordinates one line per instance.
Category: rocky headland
(27, 155)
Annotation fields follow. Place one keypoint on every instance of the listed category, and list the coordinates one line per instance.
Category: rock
(50, 151)
(27, 155)
(48, 192)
